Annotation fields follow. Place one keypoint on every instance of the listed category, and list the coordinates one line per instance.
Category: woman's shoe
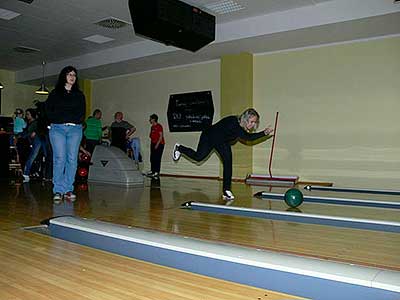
(176, 154)
(70, 196)
(228, 195)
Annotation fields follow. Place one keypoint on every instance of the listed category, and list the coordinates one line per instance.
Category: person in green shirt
(93, 131)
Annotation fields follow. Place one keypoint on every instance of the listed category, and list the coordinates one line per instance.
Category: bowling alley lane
(337, 210)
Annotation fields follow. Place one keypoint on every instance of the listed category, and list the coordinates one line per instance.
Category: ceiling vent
(112, 23)
(224, 7)
(23, 49)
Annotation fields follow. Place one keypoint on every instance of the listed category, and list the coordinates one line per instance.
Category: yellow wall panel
(338, 109)
(236, 96)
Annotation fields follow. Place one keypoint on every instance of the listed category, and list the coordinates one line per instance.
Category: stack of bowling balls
(83, 168)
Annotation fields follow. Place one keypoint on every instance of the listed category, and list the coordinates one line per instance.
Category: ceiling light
(42, 90)
(224, 7)
(6, 14)
(99, 39)
(1, 86)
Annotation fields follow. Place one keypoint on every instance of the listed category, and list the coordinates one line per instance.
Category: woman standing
(157, 146)
(219, 137)
(34, 140)
(65, 109)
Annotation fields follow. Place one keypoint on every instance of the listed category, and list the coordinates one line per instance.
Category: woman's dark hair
(32, 111)
(19, 111)
(96, 111)
(62, 79)
(118, 113)
(154, 117)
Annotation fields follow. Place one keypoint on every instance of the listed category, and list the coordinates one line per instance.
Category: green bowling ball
(293, 197)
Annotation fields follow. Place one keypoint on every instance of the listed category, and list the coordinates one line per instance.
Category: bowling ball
(293, 197)
(85, 158)
(83, 187)
(82, 172)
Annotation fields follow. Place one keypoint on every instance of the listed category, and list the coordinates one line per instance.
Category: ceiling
(57, 30)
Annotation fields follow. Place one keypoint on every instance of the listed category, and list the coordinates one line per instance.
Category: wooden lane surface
(157, 207)
(37, 267)
(364, 247)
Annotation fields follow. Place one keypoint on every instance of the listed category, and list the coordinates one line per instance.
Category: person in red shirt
(157, 146)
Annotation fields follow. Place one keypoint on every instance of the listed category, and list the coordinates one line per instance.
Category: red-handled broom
(259, 179)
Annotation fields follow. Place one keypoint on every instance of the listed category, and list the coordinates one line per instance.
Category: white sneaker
(228, 195)
(26, 178)
(70, 196)
(57, 197)
(175, 153)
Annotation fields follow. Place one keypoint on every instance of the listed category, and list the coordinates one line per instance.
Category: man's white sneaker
(176, 154)
(228, 195)
(26, 178)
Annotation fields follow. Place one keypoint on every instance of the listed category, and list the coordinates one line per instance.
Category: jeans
(65, 141)
(134, 144)
(48, 153)
(37, 144)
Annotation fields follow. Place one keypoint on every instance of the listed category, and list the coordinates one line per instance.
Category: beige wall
(140, 95)
(16, 95)
(339, 112)
(338, 109)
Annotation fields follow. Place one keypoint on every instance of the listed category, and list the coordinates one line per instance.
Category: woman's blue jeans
(65, 141)
(134, 144)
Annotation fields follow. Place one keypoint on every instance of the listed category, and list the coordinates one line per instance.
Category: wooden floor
(35, 266)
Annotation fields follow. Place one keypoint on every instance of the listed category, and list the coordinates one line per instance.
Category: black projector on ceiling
(172, 22)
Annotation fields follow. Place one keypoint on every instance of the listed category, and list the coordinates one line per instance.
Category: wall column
(236, 96)
(86, 86)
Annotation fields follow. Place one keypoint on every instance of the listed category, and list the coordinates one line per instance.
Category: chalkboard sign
(190, 111)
